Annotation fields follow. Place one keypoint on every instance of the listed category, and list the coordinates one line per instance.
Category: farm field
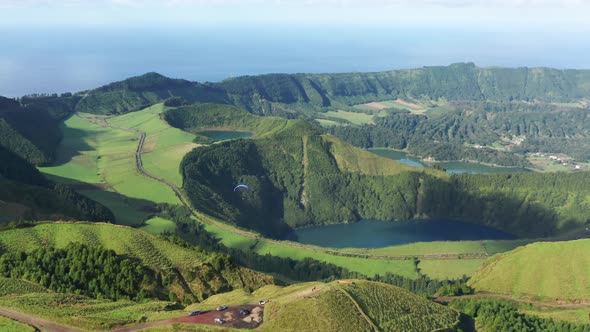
(449, 268)
(164, 147)
(102, 164)
(352, 117)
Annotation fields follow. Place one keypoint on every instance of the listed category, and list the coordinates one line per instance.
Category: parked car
(219, 320)
(221, 308)
(195, 312)
(244, 312)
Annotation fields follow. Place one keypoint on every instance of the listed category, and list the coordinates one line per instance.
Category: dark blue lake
(220, 135)
(376, 234)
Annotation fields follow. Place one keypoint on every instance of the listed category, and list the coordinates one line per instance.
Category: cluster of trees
(500, 315)
(81, 269)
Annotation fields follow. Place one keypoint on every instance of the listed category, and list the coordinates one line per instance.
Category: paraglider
(241, 186)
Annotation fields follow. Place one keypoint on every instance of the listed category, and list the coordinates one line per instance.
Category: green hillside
(139, 92)
(462, 81)
(191, 274)
(546, 270)
(300, 176)
(363, 306)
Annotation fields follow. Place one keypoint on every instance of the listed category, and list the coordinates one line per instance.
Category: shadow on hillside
(507, 212)
(124, 208)
(66, 152)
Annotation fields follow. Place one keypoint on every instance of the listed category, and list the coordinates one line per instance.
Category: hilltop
(545, 270)
(361, 306)
(457, 112)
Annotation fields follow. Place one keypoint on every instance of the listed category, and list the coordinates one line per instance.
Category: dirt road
(38, 323)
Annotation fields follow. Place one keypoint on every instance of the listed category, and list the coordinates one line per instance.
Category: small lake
(452, 167)
(377, 234)
(220, 135)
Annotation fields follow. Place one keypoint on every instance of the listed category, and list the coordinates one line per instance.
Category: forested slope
(149, 267)
(32, 133)
(299, 176)
(26, 195)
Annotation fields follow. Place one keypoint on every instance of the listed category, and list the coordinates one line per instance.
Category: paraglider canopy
(241, 186)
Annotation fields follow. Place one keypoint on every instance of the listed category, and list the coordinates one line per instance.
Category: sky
(71, 45)
(562, 15)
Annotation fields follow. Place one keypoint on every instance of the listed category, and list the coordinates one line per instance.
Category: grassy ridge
(317, 306)
(189, 267)
(88, 314)
(392, 308)
(547, 270)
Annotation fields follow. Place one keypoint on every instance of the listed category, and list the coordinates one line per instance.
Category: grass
(328, 123)
(158, 225)
(9, 325)
(367, 266)
(165, 146)
(576, 315)
(545, 270)
(89, 314)
(9, 286)
(94, 154)
(353, 159)
(392, 308)
(352, 117)
(449, 268)
(317, 306)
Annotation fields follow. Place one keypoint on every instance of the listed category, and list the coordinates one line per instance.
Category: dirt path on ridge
(35, 322)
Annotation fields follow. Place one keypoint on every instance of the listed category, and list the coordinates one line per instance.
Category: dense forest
(501, 315)
(83, 269)
(449, 136)
(297, 182)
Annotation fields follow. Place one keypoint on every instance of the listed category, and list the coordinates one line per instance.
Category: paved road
(38, 323)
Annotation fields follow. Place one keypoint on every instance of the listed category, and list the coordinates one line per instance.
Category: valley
(169, 169)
